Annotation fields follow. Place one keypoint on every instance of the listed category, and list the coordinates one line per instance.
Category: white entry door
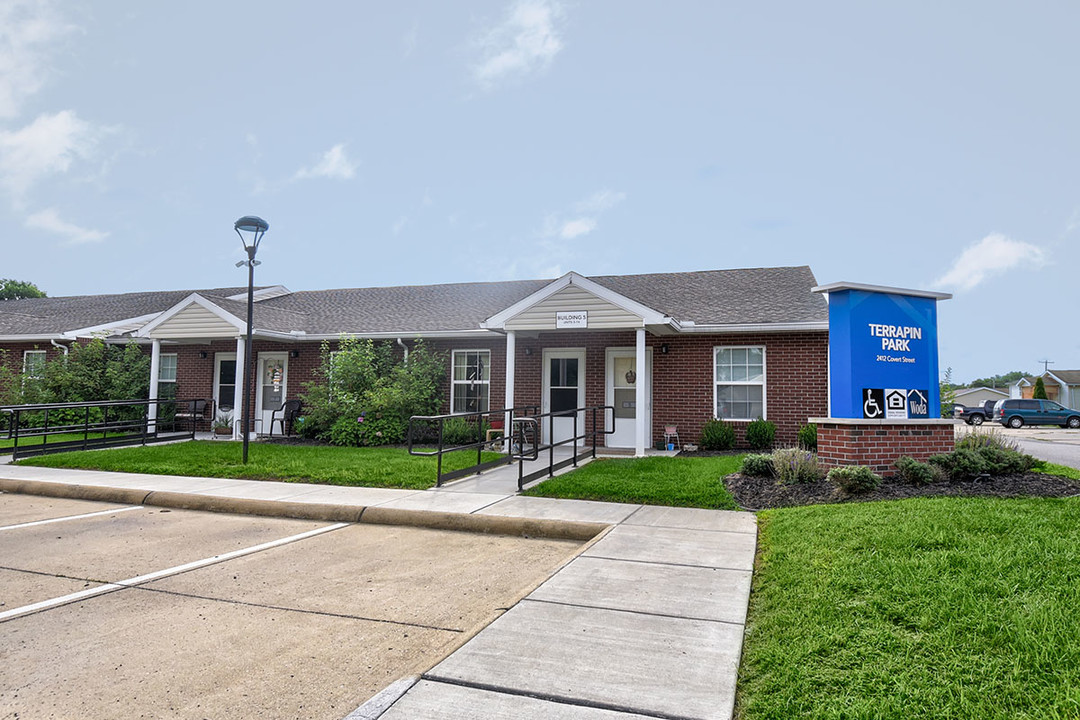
(622, 379)
(270, 390)
(564, 390)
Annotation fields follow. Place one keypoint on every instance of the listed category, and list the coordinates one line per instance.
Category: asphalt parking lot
(1050, 443)
(114, 611)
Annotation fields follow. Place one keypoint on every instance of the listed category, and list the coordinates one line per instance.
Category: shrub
(962, 464)
(792, 466)
(999, 461)
(462, 431)
(758, 465)
(348, 431)
(989, 437)
(853, 480)
(717, 435)
(914, 472)
(808, 437)
(760, 434)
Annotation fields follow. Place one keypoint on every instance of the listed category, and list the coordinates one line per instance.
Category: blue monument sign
(883, 352)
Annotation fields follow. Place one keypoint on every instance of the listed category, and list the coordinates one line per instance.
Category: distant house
(1061, 385)
(971, 397)
(661, 349)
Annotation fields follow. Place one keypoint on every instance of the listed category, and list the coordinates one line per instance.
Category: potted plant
(222, 424)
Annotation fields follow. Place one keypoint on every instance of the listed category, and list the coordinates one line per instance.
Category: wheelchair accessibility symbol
(873, 403)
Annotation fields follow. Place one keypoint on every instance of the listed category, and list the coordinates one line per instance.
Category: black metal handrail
(480, 419)
(522, 433)
(98, 430)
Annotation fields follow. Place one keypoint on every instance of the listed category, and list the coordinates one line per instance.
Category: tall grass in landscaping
(928, 608)
(676, 481)
(389, 467)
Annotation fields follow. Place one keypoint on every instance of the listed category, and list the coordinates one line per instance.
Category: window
(167, 377)
(740, 383)
(34, 364)
(225, 381)
(470, 381)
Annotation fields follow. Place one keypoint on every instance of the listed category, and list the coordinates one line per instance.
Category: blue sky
(914, 144)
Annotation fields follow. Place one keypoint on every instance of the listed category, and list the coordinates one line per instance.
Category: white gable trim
(192, 299)
(111, 328)
(648, 315)
(263, 293)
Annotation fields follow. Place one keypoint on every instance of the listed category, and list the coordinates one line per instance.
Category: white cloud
(45, 147)
(526, 41)
(333, 164)
(580, 226)
(49, 221)
(26, 29)
(400, 224)
(600, 201)
(993, 255)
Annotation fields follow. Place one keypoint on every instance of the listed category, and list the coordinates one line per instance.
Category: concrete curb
(494, 524)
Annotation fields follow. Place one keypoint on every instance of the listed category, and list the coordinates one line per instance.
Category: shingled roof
(708, 298)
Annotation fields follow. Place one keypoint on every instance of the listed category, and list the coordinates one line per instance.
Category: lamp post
(250, 229)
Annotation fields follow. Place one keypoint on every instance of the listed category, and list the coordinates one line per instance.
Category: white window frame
(454, 383)
(44, 354)
(161, 367)
(218, 400)
(763, 382)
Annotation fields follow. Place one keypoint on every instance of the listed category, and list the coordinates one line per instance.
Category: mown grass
(388, 467)
(676, 481)
(7, 443)
(928, 608)
(1054, 469)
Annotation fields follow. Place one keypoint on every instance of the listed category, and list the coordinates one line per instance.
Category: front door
(564, 390)
(270, 391)
(622, 379)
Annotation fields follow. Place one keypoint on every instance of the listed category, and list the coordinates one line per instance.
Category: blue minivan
(1018, 413)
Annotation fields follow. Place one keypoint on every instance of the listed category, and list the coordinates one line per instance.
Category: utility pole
(1046, 364)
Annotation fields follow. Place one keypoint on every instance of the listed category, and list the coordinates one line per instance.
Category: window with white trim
(470, 381)
(739, 382)
(34, 364)
(167, 376)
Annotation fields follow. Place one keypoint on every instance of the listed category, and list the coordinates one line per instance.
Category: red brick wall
(878, 446)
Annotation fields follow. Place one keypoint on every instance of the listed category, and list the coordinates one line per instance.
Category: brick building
(662, 349)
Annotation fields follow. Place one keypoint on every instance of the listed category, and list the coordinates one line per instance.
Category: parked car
(1017, 413)
(971, 415)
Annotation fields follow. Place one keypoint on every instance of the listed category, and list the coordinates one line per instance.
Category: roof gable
(193, 317)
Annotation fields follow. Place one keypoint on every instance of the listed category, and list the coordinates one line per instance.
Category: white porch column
(238, 392)
(639, 396)
(508, 399)
(155, 371)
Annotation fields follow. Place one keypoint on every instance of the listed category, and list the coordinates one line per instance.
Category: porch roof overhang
(192, 318)
(573, 293)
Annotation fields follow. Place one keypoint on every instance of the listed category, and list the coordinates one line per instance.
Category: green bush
(792, 465)
(462, 431)
(760, 434)
(757, 465)
(963, 464)
(987, 437)
(807, 437)
(717, 435)
(854, 480)
(914, 472)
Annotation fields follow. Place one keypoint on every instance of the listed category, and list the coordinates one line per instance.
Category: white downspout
(64, 348)
(405, 349)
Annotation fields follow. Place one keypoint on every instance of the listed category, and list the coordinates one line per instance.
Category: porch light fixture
(202, 354)
(251, 230)
(663, 348)
(294, 354)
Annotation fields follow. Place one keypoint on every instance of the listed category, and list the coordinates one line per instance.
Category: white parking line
(149, 577)
(70, 517)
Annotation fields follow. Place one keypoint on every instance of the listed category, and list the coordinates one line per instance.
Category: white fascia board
(1021, 382)
(406, 334)
(263, 293)
(196, 299)
(838, 286)
(108, 328)
(1058, 380)
(756, 327)
(35, 338)
(648, 315)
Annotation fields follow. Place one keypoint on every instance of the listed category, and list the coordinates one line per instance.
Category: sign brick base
(878, 444)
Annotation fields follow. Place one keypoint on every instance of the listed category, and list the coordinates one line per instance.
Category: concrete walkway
(647, 622)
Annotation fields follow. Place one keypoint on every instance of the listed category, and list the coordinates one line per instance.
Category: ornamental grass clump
(990, 437)
(854, 479)
(792, 465)
(758, 465)
(760, 435)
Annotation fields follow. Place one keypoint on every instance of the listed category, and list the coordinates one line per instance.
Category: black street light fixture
(250, 229)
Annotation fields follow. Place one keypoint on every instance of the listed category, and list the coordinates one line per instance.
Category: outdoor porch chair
(194, 410)
(286, 415)
(671, 436)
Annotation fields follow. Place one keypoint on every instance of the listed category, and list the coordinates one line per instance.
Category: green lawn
(7, 443)
(1052, 469)
(367, 467)
(922, 608)
(676, 481)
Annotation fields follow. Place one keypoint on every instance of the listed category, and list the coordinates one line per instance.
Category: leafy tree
(998, 380)
(948, 394)
(1040, 390)
(19, 289)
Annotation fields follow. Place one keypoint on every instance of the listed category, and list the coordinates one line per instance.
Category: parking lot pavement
(190, 614)
(1052, 444)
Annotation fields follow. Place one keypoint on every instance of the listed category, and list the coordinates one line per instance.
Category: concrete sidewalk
(647, 622)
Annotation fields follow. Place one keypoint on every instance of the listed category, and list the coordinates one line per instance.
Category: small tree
(19, 289)
(948, 394)
(1040, 390)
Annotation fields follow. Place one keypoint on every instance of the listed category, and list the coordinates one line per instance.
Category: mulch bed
(755, 493)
